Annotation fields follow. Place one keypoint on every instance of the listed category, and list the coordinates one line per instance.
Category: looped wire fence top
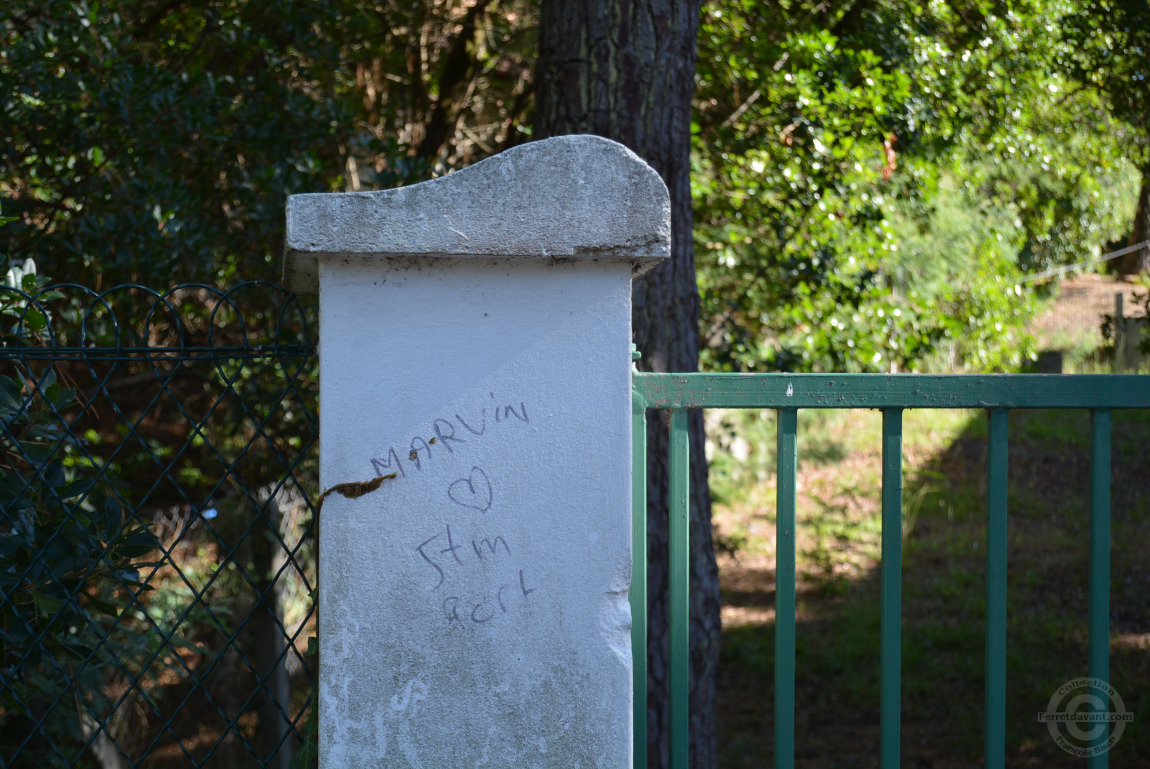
(156, 548)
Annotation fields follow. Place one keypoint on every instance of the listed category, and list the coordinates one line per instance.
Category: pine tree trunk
(1139, 261)
(624, 69)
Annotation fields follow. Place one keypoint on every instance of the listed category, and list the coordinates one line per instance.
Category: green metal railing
(892, 394)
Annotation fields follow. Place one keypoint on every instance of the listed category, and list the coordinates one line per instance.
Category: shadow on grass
(837, 688)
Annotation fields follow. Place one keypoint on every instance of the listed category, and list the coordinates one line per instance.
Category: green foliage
(867, 176)
(1105, 48)
(983, 316)
(26, 319)
(156, 142)
(1061, 191)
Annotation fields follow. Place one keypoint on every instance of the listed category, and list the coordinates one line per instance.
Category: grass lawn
(837, 714)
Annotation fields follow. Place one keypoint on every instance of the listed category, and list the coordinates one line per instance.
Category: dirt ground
(1077, 311)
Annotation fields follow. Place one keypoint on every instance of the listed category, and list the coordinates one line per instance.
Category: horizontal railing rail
(892, 394)
(908, 391)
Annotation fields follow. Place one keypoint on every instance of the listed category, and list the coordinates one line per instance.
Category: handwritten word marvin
(445, 436)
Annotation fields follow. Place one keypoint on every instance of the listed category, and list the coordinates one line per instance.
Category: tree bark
(1139, 261)
(625, 70)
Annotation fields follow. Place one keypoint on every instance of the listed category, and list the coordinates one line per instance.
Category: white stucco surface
(474, 608)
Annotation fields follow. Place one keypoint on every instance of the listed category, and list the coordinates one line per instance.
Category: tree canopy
(157, 141)
(873, 179)
(870, 180)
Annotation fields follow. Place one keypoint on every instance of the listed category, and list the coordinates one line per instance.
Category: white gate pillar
(475, 354)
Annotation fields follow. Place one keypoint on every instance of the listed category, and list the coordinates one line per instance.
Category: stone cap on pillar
(569, 197)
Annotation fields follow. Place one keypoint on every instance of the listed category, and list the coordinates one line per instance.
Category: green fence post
(680, 568)
(785, 590)
(891, 707)
(996, 592)
(1099, 649)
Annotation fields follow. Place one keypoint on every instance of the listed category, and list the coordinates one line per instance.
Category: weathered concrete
(474, 607)
(580, 197)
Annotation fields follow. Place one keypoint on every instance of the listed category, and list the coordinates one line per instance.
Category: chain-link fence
(157, 570)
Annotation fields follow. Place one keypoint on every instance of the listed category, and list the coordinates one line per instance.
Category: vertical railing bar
(996, 591)
(679, 614)
(638, 593)
(1099, 649)
(891, 666)
(785, 589)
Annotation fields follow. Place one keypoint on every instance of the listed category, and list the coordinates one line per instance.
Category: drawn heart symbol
(473, 491)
